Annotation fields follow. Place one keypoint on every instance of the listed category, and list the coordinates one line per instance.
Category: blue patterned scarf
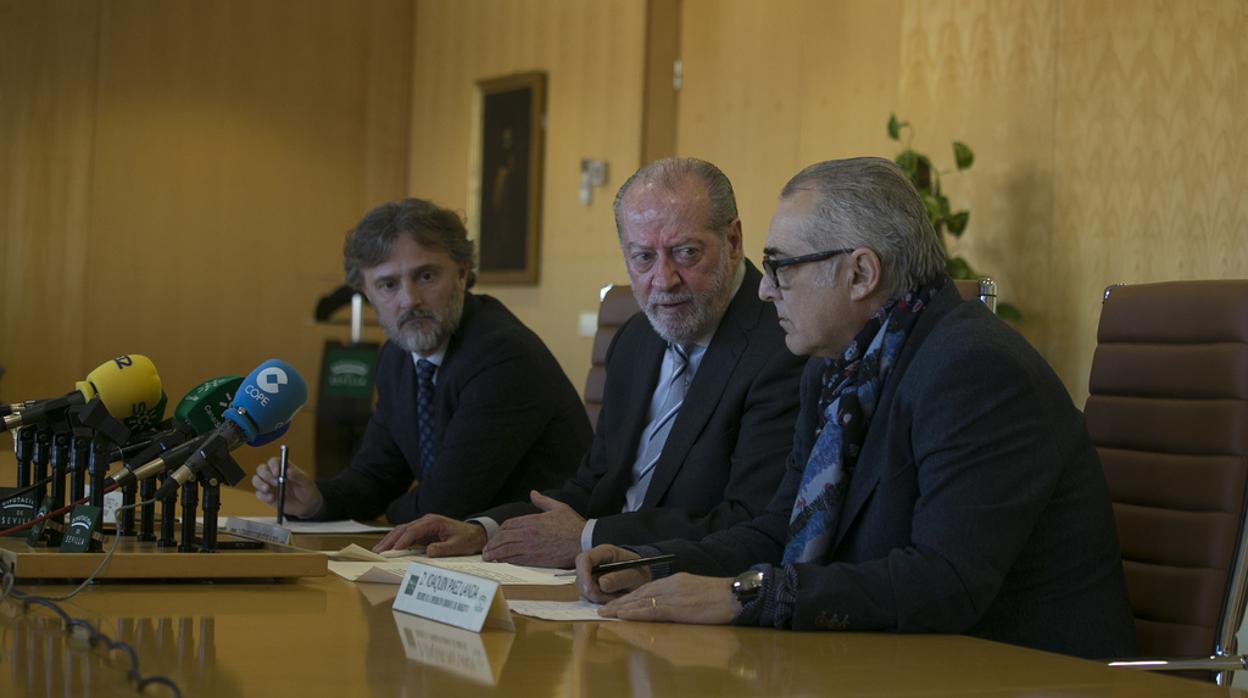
(851, 389)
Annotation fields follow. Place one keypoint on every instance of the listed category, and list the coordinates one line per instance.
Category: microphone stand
(190, 496)
(167, 517)
(42, 455)
(60, 465)
(23, 449)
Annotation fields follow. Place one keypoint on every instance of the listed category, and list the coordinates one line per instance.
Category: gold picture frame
(505, 207)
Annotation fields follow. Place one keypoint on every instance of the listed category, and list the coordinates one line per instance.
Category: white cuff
(587, 535)
(490, 526)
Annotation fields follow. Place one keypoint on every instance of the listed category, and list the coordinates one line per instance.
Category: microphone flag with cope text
(128, 386)
(266, 401)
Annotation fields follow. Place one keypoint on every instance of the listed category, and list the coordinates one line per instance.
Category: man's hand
(442, 537)
(303, 499)
(549, 539)
(680, 598)
(602, 589)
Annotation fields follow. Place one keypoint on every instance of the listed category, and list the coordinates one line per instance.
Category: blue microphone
(266, 401)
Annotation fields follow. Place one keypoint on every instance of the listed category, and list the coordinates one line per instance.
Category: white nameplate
(454, 598)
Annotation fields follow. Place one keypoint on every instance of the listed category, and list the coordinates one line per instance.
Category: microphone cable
(94, 636)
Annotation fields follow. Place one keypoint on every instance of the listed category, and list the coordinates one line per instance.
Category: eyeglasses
(772, 265)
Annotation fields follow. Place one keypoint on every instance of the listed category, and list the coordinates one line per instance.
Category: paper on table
(391, 571)
(559, 610)
(362, 554)
(504, 573)
(379, 572)
(344, 526)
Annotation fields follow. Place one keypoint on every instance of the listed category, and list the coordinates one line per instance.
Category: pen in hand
(625, 564)
(281, 487)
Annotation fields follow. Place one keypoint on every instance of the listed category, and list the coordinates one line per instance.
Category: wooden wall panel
(593, 54)
(771, 88)
(1104, 131)
(228, 148)
(47, 107)
(1150, 153)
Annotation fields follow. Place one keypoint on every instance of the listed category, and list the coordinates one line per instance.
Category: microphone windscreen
(269, 437)
(149, 419)
(127, 385)
(268, 398)
(201, 408)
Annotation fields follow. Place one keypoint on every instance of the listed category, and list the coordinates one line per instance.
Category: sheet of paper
(322, 526)
(504, 573)
(382, 572)
(391, 571)
(361, 554)
(559, 610)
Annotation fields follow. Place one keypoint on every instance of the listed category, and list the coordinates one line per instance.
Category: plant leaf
(962, 155)
(957, 223)
(907, 160)
(894, 127)
(1006, 311)
(932, 204)
(959, 268)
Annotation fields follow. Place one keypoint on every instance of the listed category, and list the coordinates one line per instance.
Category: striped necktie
(660, 426)
(424, 414)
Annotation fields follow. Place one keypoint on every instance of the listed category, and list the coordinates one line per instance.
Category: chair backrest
(618, 305)
(1168, 412)
(983, 290)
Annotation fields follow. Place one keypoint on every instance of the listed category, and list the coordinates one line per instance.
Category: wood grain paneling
(47, 106)
(221, 152)
(1104, 131)
(592, 53)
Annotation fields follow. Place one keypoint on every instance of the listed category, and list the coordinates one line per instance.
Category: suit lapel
(725, 350)
(875, 452)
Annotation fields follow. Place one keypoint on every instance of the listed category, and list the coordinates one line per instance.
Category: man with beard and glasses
(941, 480)
(471, 406)
(700, 396)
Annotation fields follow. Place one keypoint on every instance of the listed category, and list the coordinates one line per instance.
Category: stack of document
(357, 564)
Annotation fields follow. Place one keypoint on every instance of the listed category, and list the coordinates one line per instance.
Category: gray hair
(869, 202)
(670, 172)
(370, 242)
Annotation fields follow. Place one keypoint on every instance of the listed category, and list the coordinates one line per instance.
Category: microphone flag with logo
(196, 414)
(265, 402)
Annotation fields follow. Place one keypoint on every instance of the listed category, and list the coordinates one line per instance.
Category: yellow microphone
(127, 385)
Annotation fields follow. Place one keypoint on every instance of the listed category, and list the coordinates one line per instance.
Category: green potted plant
(926, 179)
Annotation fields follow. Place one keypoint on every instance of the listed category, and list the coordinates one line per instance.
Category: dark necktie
(424, 414)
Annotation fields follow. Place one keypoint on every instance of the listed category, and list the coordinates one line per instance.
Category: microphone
(125, 385)
(265, 403)
(196, 414)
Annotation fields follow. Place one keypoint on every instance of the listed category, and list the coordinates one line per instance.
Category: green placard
(16, 511)
(80, 530)
(348, 372)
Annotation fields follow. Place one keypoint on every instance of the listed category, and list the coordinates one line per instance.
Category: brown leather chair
(1168, 412)
(618, 305)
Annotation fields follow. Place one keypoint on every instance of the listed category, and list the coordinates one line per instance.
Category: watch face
(747, 584)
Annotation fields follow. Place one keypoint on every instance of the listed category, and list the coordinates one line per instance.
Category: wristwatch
(747, 585)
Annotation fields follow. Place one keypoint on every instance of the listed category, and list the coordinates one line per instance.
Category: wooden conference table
(328, 637)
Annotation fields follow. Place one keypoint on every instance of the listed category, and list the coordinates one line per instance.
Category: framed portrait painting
(505, 208)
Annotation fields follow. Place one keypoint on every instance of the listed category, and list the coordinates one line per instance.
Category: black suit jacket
(506, 421)
(725, 454)
(978, 504)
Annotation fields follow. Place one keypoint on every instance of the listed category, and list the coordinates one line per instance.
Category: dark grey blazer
(978, 505)
(507, 420)
(726, 452)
